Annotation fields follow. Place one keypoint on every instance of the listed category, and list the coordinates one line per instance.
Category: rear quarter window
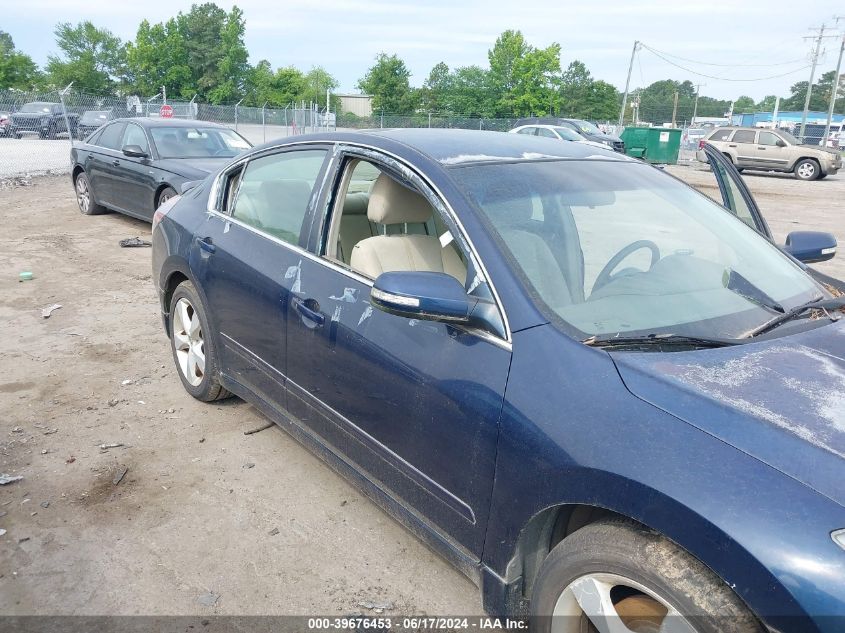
(720, 135)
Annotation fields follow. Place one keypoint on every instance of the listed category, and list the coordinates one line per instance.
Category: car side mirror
(427, 296)
(810, 246)
(780, 143)
(134, 151)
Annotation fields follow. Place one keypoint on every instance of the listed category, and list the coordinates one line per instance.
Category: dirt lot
(190, 527)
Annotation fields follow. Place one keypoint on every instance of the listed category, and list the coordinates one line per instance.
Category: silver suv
(772, 150)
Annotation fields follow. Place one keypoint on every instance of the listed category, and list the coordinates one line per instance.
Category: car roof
(461, 147)
(149, 122)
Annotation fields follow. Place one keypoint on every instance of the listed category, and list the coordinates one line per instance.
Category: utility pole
(816, 52)
(628, 82)
(675, 110)
(695, 107)
(163, 94)
(834, 88)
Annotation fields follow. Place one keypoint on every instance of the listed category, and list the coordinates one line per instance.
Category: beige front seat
(354, 224)
(391, 203)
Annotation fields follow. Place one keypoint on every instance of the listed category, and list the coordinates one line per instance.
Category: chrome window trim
(338, 146)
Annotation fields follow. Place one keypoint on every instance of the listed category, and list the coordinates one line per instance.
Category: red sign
(165, 111)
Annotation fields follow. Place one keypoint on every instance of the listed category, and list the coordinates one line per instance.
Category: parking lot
(205, 519)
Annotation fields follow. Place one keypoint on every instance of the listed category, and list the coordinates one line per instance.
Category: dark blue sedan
(606, 399)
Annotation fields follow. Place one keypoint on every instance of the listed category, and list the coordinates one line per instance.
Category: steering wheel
(606, 276)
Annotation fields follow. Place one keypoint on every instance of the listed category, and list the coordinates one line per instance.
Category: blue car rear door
(246, 256)
(415, 405)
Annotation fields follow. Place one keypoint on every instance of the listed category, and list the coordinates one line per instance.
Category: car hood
(193, 168)
(781, 401)
(604, 137)
(29, 115)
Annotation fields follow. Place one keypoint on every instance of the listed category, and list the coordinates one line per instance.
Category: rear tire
(85, 196)
(193, 347)
(634, 574)
(807, 169)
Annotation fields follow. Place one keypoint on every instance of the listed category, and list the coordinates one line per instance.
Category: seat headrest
(392, 203)
(507, 202)
(356, 203)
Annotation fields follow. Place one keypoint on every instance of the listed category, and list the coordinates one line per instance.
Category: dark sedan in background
(586, 129)
(91, 121)
(134, 165)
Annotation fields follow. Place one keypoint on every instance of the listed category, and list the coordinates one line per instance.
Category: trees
(387, 81)
(93, 59)
(316, 82)
(17, 70)
(524, 78)
(436, 90)
(199, 53)
(744, 104)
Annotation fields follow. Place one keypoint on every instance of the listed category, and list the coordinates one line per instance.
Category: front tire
(166, 194)
(807, 169)
(85, 197)
(192, 346)
(618, 573)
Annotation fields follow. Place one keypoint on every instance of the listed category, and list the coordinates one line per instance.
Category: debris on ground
(208, 599)
(50, 431)
(70, 460)
(263, 427)
(25, 275)
(17, 429)
(45, 504)
(105, 447)
(113, 402)
(120, 474)
(273, 532)
(2, 531)
(7, 479)
(128, 381)
(134, 242)
(46, 312)
(378, 607)
(248, 465)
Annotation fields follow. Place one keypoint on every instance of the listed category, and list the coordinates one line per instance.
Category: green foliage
(92, 58)
(745, 104)
(525, 79)
(387, 81)
(199, 53)
(17, 70)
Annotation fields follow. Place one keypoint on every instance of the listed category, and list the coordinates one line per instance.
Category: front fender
(572, 434)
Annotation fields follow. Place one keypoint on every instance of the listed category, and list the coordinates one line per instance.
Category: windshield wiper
(665, 339)
(816, 304)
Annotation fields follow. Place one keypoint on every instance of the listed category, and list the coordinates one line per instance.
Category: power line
(693, 72)
(694, 61)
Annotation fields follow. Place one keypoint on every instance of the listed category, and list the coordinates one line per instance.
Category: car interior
(386, 226)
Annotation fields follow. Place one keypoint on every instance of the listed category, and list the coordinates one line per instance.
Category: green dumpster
(659, 145)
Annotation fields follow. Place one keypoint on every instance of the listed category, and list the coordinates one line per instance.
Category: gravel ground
(190, 527)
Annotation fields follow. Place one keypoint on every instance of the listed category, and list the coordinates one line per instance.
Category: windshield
(197, 142)
(568, 135)
(617, 247)
(586, 126)
(97, 117)
(36, 107)
(789, 138)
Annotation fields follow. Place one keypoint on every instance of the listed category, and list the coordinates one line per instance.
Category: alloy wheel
(83, 194)
(165, 196)
(806, 170)
(609, 603)
(188, 342)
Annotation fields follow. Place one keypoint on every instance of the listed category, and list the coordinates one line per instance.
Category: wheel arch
(550, 525)
(803, 158)
(161, 187)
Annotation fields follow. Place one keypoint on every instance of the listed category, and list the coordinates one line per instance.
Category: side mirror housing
(781, 143)
(134, 151)
(427, 296)
(810, 246)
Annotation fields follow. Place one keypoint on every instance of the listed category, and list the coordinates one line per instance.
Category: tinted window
(720, 135)
(541, 131)
(274, 192)
(527, 130)
(767, 138)
(111, 136)
(197, 142)
(135, 136)
(744, 136)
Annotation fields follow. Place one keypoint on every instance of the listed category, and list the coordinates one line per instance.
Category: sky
(739, 40)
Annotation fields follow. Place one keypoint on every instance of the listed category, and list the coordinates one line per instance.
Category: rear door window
(111, 136)
(274, 192)
(744, 136)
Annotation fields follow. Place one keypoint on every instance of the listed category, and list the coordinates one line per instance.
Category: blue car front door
(413, 404)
